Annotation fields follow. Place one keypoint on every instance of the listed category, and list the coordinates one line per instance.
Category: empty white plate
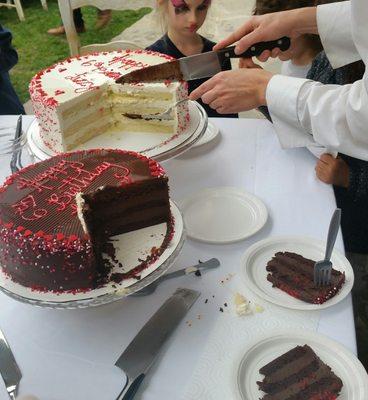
(222, 215)
(343, 363)
(211, 133)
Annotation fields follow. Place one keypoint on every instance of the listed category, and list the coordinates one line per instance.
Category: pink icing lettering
(28, 204)
(81, 80)
(27, 183)
(61, 201)
(88, 63)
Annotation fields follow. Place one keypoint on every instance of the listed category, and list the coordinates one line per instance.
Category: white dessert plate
(342, 362)
(255, 259)
(155, 145)
(130, 249)
(222, 215)
(211, 133)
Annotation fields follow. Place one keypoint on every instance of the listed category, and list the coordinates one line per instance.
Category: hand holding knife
(199, 66)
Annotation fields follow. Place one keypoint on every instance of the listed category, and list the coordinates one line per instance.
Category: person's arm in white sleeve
(335, 32)
(334, 116)
(303, 111)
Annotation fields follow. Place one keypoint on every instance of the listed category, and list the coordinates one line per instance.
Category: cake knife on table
(199, 66)
(142, 351)
(9, 369)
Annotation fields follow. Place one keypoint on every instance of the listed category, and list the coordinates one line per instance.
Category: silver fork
(323, 268)
(166, 114)
(17, 148)
(149, 289)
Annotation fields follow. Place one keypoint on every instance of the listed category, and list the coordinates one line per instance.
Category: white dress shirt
(306, 112)
(288, 68)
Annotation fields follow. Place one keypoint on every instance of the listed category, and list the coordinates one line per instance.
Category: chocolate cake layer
(299, 374)
(294, 274)
(109, 210)
(42, 242)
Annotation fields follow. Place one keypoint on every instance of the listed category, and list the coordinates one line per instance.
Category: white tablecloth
(70, 354)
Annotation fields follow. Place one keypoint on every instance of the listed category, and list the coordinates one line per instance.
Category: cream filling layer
(105, 107)
(124, 124)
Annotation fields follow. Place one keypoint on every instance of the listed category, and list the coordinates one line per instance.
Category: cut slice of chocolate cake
(299, 374)
(113, 210)
(294, 274)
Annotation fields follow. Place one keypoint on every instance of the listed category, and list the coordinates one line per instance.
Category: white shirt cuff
(282, 96)
(334, 28)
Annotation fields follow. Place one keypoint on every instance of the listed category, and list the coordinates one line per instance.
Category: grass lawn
(37, 49)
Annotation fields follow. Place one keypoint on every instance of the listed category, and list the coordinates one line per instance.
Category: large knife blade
(9, 369)
(140, 354)
(199, 66)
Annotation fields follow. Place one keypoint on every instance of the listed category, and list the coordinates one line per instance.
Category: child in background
(349, 176)
(183, 18)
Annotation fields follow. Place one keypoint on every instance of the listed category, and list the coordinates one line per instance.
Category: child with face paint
(183, 18)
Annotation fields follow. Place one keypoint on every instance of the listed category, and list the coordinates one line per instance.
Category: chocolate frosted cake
(45, 245)
(294, 274)
(299, 374)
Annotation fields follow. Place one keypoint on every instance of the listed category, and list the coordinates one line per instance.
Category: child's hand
(333, 171)
(248, 63)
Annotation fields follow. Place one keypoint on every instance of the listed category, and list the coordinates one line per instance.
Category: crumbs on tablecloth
(258, 308)
(199, 316)
(244, 307)
(221, 309)
(198, 273)
(206, 301)
(227, 278)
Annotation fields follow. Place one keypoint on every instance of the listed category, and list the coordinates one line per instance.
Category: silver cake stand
(107, 294)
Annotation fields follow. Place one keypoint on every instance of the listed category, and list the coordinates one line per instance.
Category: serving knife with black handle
(199, 66)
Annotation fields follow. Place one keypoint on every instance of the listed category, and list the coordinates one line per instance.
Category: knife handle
(131, 388)
(255, 50)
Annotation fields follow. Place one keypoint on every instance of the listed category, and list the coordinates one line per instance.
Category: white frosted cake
(77, 99)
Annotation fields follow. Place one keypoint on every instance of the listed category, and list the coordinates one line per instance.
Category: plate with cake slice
(281, 271)
(300, 365)
(79, 105)
(86, 228)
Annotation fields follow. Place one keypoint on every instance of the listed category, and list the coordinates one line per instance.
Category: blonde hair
(161, 12)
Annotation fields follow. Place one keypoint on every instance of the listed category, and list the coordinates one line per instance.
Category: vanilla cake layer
(78, 99)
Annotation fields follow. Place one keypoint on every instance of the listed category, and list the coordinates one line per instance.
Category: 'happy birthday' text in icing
(81, 80)
(28, 210)
(64, 180)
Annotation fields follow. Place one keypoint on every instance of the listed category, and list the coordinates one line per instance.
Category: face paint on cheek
(179, 3)
(206, 2)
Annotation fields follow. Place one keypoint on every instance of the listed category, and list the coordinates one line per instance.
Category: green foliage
(37, 49)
